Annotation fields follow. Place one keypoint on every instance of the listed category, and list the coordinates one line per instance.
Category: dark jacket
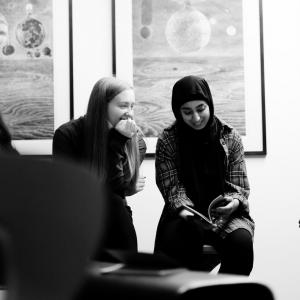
(68, 143)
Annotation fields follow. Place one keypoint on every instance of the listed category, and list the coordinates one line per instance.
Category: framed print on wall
(36, 66)
(156, 42)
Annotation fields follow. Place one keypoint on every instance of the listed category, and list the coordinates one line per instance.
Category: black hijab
(201, 156)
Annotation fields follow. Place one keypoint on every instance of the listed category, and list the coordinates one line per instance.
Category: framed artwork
(156, 42)
(36, 71)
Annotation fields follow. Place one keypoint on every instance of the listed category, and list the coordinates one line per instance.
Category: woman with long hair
(198, 158)
(107, 141)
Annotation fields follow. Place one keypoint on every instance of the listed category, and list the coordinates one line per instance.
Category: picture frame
(39, 93)
(148, 53)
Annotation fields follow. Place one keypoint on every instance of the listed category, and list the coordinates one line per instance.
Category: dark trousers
(120, 233)
(183, 241)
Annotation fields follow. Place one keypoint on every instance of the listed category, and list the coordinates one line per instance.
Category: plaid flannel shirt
(167, 168)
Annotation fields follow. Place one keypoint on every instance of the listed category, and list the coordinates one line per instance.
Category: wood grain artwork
(175, 38)
(26, 64)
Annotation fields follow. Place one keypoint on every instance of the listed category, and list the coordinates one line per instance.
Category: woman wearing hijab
(198, 158)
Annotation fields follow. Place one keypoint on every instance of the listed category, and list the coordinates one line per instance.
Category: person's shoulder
(230, 135)
(72, 126)
(168, 133)
(227, 129)
(68, 139)
(167, 141)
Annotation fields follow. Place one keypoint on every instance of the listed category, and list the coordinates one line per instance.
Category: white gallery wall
(274, 179)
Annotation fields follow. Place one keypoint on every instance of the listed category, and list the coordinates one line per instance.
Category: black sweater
(68, 143)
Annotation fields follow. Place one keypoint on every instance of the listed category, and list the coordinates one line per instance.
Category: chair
(51, 220)
(155, 276)
(141, 277)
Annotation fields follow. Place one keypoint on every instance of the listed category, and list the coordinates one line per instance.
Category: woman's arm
(236, 180)
(118, 167)
(63, 146)
(167, 179)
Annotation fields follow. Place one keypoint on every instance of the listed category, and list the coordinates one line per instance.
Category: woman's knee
(237, 253)
(177, 240)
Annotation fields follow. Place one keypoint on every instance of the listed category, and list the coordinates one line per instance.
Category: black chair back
(51, 220)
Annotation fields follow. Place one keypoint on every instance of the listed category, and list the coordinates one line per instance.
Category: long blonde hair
(133, 154)
(96, 130)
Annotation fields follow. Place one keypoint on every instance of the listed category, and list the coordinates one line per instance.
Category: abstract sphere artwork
(188, 30)
(30, 33)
